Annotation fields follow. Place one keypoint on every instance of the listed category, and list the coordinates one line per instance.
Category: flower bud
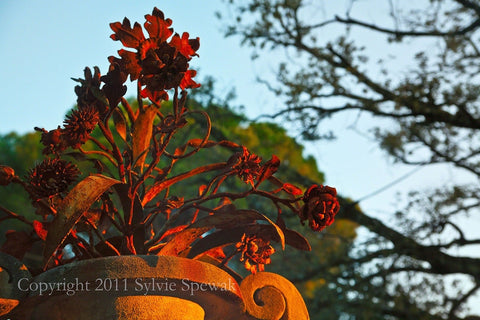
(321, 206)
(6, 175)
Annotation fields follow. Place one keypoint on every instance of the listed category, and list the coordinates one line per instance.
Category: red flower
(321, 206)
(159, 65)
(162, 69)
(246, 165)
(255, 251)
(78, 126)
(50, 177)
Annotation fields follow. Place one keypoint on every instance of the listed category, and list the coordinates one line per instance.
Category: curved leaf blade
(142, 135)
(75, 204)
(296, 240)
(120, 124)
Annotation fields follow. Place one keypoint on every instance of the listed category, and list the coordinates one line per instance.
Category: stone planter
(145, 287)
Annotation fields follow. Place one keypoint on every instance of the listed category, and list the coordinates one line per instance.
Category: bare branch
(411, 33)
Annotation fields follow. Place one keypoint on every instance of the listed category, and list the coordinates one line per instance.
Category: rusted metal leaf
(195, 143)
(172, 231)
(120, 124)
(202, 189)
(291, 189)
(71, 209)
(268, 169)
(40, 229)
(142, 134)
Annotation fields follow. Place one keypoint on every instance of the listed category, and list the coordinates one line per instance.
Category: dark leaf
(17, 244)
(114, 87)
(296, 240)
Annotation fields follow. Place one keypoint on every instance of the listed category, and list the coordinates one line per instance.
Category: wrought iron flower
(79, 124)
(246, 165)
(51, 177)
(321, 206)
(255, 252)
(158, 64)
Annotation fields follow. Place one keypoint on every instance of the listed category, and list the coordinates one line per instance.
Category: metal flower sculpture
(129, 204)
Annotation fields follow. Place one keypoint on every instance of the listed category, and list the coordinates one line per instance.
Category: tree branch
(441, 263)
(411, 33)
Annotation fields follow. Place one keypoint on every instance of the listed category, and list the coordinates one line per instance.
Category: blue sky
(48, 42)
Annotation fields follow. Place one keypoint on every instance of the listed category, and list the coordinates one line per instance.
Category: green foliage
(19, 152)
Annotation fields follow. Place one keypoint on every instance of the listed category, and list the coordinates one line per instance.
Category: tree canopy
(421, 88)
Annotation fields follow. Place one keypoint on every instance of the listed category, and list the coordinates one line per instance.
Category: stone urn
(144, 287)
